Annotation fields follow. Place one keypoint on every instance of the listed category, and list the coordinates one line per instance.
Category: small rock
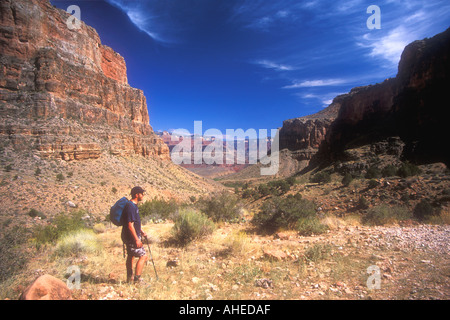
(264, 283)
(172, 263)
(71, 204)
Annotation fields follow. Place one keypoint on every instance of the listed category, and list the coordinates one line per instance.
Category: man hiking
(132, 235)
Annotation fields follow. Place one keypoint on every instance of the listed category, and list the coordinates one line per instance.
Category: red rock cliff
(65, 94)
(413, 106)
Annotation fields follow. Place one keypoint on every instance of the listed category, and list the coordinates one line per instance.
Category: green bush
(373, 173)
(13, 253)
(372, 183)
(60, 177)
(424, 210)
(321, 177)
(76, 243)
(318, 252)
(389, 171)
(279, 187)
(190, 225)
(61, 224)
(221, 207)
(363, 203)
(35, 213)
(291, 180)
(348, 178)
(383, 214)
(408, 169)
(248, 193)
(310, 225)
(158, 209)
(278, 213)
(264, 190)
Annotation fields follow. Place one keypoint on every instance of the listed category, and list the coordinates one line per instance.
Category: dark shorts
(132, 250)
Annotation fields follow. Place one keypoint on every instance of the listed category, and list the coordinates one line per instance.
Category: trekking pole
(146, 239)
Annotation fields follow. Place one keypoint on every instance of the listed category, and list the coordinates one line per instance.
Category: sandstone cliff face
(303, 136)
(65, 94)
(412, 106)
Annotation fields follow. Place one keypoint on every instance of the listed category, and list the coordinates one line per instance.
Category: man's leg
(140, 266)
(129, 265)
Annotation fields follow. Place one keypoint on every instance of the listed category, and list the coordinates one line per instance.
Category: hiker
(132, 235)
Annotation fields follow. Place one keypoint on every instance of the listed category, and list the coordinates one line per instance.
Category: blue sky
(254, 63)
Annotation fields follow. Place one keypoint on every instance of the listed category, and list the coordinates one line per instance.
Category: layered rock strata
(303, 136)
(412, 106)
(65, 94)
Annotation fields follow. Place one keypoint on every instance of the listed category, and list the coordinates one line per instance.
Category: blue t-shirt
(130, 214)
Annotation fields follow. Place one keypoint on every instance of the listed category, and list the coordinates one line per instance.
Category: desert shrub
(389, 171)
(13, 256)
(383, 214)
(221, 207)
(278, 187)
(35, 213)
(373, 172)
(424, 210)
(237, 243)
(310, 225)
(347, 179)
(158, 209)
(291, 180)
(278, 213)
(372, 184)
(248, 193)
(408, 169)
(61, 224)
(318, 252)
(60, 177)
(363, 203)
(321, 177)
(190, 225)
(76, 243)
(99, 228)
(264, 190)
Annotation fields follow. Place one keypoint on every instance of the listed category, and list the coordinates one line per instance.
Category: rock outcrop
(46, 287)
(63, 93)
(412, 107)
(303, 136)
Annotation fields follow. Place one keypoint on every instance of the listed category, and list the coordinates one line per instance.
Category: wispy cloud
(413, 20)
(325, 98)
(390, 46)
(275, 66)
(316, 83)
(261, 15)
(139, 14)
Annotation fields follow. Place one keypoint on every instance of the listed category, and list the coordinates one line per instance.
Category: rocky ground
(404, 260)
(413, 264)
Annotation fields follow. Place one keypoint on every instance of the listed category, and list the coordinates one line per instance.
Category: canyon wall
(63, 93)
(411, 109)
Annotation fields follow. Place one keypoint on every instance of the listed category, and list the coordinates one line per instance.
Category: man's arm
(133, 232)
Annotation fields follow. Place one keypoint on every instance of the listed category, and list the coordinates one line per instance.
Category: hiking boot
(140, 282)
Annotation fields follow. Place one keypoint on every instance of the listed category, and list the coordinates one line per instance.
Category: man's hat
(136, 190)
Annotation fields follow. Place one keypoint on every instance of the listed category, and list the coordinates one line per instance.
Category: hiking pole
(146, 239)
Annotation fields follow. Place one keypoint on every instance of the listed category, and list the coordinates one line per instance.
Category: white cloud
(316, 83)
(142, 18)
(391, 46)
(273, 65)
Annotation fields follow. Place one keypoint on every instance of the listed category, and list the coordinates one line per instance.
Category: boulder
(47, 287)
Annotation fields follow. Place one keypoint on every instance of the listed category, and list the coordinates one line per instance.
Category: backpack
(115, 213)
